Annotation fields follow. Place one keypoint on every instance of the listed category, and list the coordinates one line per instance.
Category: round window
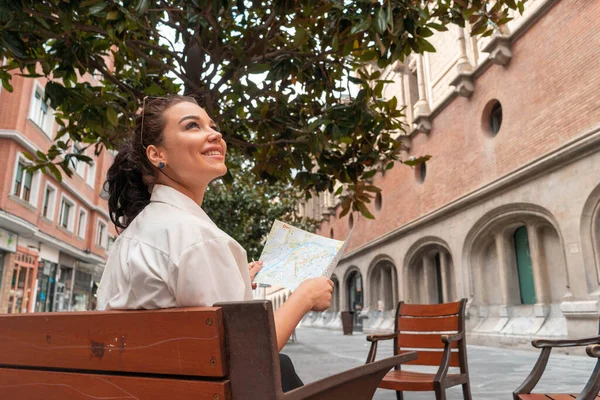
(492, 117)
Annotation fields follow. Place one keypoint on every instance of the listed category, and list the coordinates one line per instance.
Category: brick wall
(549, 94)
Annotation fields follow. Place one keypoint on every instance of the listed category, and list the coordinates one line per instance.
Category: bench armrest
(374, 338)
(357, 383)
(535, 374)
(593, 350)
(452, 338)
(543, 343)
(445, 363)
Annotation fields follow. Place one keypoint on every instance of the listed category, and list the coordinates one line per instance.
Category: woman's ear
(155, 155)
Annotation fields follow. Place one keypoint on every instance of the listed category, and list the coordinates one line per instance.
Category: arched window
(355, 291)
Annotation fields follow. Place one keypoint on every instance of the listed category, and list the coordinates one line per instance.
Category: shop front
(82, 291)
(22, 288)
(65, 278)
(46, 286)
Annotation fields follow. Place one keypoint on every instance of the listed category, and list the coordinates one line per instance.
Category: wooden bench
(438, 331)
(215, 353)
(591, 389)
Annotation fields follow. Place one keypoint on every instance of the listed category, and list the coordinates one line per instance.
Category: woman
(169, 253)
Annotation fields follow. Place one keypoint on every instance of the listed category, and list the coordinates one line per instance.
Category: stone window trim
(21, 160)
(90, 179)
(41, 115)
(101, 238)
(71, 213)
(81, 230)
(49, 216)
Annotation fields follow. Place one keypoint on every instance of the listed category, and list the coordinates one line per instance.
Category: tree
(273, 74)
(246, 209)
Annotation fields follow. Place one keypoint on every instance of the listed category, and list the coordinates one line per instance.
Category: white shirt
(173, 255)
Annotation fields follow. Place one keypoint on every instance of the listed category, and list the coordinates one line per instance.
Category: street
(495, 372)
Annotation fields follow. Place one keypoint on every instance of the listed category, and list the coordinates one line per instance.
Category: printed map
(292, 255)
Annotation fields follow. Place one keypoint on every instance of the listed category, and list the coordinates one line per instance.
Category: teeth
(213, 153)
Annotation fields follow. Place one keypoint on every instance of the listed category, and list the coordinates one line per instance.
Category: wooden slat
(407, 381)
(433, 358)
(185, 341)
(430, 310)
(540, 396)
(422, 341)
(440, 324)
(47, 385)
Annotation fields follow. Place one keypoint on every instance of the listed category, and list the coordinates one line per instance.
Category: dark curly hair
(131, 175)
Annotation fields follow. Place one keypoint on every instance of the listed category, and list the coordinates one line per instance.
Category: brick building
(53, 236)
(507, 211)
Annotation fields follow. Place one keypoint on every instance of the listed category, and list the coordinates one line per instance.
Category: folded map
(292, 255)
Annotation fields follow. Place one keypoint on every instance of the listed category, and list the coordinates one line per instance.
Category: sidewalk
(495, 372)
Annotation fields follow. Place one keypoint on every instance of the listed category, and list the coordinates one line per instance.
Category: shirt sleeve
(207, 273)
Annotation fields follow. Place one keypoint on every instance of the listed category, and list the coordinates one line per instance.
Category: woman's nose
(215, 136)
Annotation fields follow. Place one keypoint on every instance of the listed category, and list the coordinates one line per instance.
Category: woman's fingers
(254, 267)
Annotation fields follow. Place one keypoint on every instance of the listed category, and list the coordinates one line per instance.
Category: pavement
(495, 372)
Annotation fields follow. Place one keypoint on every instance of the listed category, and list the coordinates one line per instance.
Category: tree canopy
(274, 75)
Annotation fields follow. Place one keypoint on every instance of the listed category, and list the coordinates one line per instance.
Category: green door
(524, 266)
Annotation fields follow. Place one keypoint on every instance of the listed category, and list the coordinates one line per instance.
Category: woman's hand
(254, 268)
(317, 292)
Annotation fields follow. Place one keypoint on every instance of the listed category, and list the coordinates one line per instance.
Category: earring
(161, 165)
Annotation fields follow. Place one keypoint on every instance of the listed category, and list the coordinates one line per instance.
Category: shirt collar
(168, 195)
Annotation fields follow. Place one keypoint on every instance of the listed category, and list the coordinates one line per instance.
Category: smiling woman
(169, 253)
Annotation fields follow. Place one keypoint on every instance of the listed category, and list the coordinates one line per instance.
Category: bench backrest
(175, 353)
(421, 327)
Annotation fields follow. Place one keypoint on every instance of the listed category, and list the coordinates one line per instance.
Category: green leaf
(344, 212)
(364, 210)
(371, 188)
(55, 172)
(393, 103)
(369, 174)
(113, 15)
(380, 21)
(112, 116)
(437, 27)
(98, 8)
(424, 45)
(258, 68)
(301, 37)
(361, 26)
(142, 7)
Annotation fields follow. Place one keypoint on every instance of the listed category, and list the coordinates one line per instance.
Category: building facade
(506, 213)
(53, 235)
